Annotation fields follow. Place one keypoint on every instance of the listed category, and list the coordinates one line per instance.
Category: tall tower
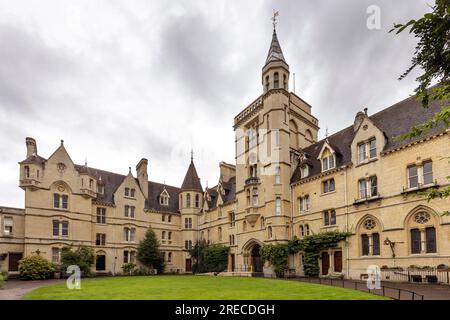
(268, 133)
(191, 202)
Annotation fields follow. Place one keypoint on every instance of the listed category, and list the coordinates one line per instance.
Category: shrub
(35, 268)
(129, 268)
(277, 255)
(1, 280)
(209, 257)
(83, 257)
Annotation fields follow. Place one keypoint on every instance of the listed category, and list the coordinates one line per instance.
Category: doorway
(338, 261)
(233, 262)
(256, 259)
(13, 261)
(325, 263)
(100, 263)
(188, 265)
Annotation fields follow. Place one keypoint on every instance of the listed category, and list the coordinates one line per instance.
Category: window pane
(331, 185)
(307, 203)
(55, 228)
(333, 217)
(65, 200)
(362, 189)
(56, 200)
(376, 244)
(65, 228)
(362, 152)
(365, 245)
(431, 239)
(373, 148)
(415, 241)
(125, 256)
(324, 164)
(413, 178)
(427, 172)
(326, 218)
(325, 187)
(374, 186)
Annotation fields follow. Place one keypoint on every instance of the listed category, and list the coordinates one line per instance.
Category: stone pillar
(370, 244)
(331, 257)
(423, 240)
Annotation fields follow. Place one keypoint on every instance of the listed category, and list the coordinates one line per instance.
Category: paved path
(15, 289)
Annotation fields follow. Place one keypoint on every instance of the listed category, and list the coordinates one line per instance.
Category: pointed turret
(275, 52)
(275, 73)
(191, 181)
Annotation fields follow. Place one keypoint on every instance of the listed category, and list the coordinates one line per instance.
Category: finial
(274, 19)
(129, 169)
(85, 161)
(192, 155)
(326, 132)
(62, 141)
(365, 111)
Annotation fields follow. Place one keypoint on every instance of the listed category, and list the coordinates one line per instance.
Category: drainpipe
(346, 222)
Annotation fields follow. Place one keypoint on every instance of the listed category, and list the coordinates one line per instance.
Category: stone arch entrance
(252, 256)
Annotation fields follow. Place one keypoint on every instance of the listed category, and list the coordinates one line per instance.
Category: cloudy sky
(122, 80)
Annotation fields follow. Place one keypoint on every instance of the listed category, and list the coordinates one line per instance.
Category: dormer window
(328, 160)
(164, 198)
(367, 150)
(304, 171)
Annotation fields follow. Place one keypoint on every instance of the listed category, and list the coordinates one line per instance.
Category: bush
(35, 268)
(83, 257)
(209, 257)
(277, 255)
(1, 280)
(129, 268)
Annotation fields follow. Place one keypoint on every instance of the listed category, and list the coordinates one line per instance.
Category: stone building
(284, 183)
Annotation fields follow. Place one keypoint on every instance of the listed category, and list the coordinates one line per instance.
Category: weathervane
(274, 18)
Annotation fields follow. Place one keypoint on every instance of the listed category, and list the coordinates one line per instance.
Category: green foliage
(312, 245)
(432, 56)
(35, 268)
(129, 268)
(277, 255)
(209, 257)
(149, 253)
(1, 281)
(82, 256)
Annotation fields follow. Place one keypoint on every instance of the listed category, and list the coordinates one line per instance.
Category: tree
(209, 257)
(83, 257)
(149, 253)
(432, 55)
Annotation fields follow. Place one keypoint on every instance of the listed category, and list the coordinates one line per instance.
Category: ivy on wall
(312, 245)
(278, 254)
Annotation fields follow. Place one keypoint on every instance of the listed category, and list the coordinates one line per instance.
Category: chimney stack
(142, 175)
(31, 147)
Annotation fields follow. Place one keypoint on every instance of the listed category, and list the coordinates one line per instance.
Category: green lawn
(195, 288)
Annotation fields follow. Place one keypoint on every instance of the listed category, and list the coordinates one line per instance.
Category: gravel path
(15, 289)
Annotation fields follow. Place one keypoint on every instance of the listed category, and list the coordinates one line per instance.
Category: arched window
(369, 230)
(294, 134)
(284, 82)
(197, 201)
(169, 257)
(169, 237)
(269, 232)
(301, 231)
(422, 232)
(219, 231)
(262, 223)
(188, 200)
(27, 171)
(277, 175)
(163, 235)
(244, 225)
(248, 198)
(276, 80)
(309, 136)
(307, 229)
(181, 201)
(267, 83)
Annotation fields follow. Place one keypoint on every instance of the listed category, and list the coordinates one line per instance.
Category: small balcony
(367, 199)
(252, 181)
(88, 193)
(30, 183)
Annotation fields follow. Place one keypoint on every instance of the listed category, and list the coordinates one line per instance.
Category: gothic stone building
(284, 183)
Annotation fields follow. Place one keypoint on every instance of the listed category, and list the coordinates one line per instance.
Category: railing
(252, 180)
(428, 275)
(385, 291)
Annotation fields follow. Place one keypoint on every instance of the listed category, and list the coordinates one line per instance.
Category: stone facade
(284, 183)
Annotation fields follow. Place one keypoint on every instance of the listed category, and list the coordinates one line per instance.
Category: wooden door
(338, 261)
(325, 263)
(100, 263)
(13, 261)
(188, 265)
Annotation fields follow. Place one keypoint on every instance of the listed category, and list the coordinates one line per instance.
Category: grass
(195, 288)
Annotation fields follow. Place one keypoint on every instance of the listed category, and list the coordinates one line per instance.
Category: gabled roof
(392, 121)
(33, 159)
(191, 181)
(275, 53)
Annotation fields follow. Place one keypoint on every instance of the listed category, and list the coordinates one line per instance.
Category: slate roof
(275, 53)
(111, 181)
(191, 181)
(393, 121)
(33, 159)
